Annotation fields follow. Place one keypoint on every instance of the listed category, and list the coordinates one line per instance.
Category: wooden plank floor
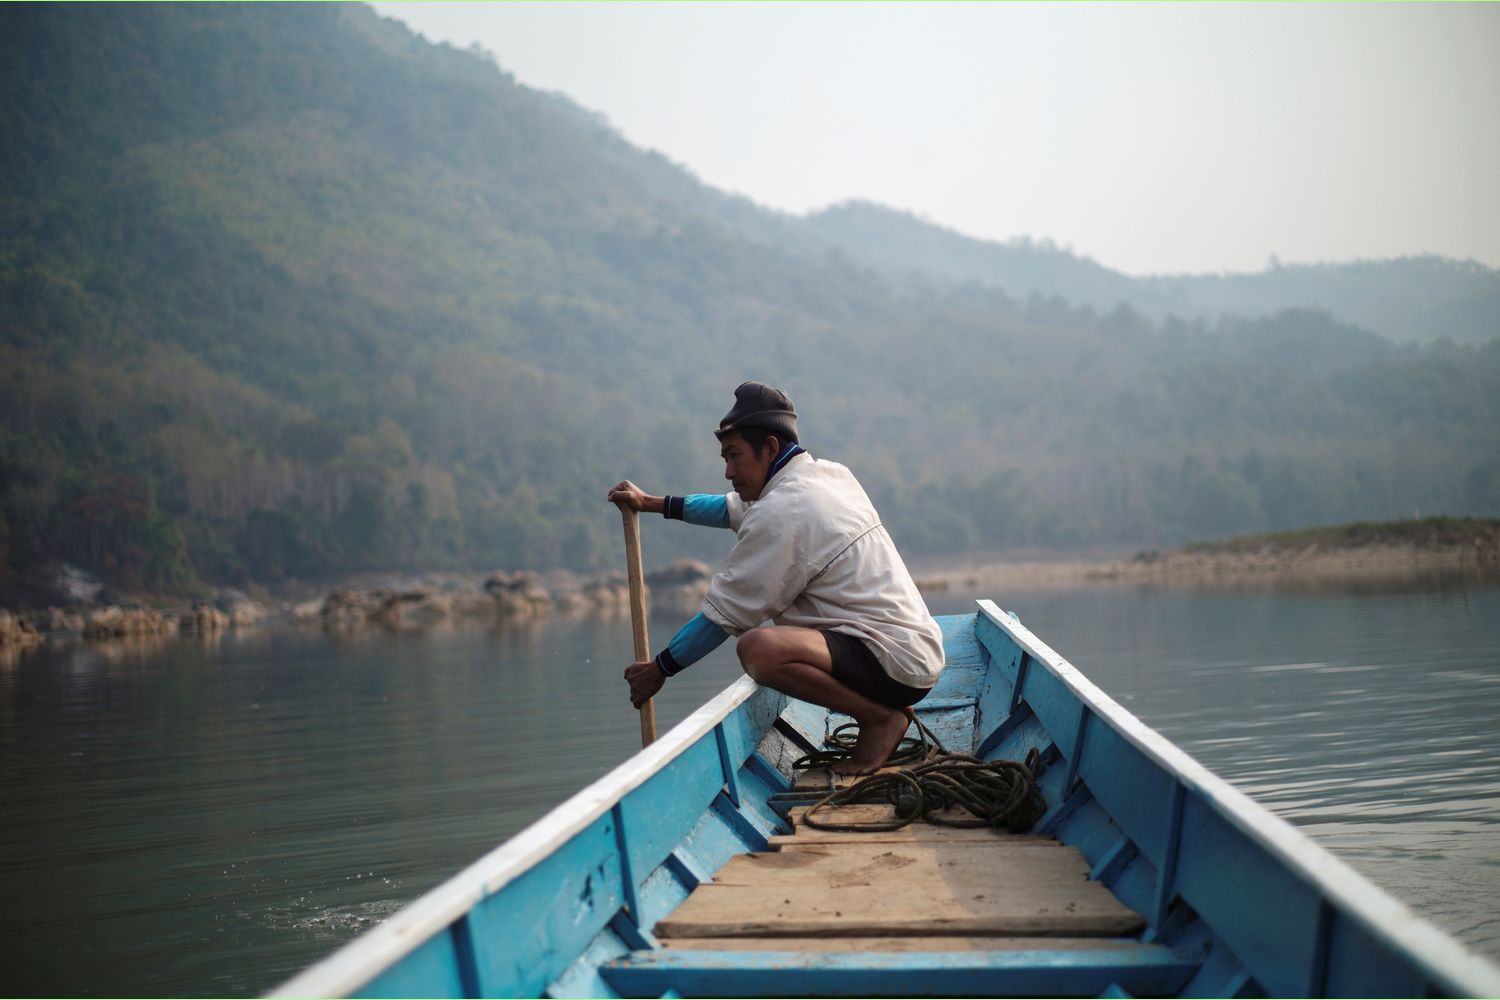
(923, 887)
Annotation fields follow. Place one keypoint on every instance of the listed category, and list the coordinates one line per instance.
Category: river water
(205, 817)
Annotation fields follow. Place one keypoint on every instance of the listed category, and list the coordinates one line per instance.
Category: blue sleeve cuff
(693, 642)
(667, 663)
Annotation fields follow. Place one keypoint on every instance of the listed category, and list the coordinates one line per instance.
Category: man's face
(743, 468)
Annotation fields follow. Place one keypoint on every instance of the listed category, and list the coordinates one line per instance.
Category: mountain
(905, 247)
(1409, 299)
(288, 293)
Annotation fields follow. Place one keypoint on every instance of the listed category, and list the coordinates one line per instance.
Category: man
(851, 631)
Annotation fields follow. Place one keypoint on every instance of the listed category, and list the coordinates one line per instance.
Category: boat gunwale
(1443, 959)
(387, 943)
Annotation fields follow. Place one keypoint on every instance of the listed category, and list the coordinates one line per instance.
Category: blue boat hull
(1236, 902)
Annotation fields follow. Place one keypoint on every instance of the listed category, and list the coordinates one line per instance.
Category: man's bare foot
(877, 741)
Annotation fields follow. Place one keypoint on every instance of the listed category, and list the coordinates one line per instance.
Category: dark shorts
(855, 667)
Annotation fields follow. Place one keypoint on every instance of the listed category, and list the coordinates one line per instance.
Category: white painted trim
(370, 954)
(1446, 961)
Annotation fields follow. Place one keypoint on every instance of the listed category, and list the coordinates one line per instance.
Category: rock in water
(203, 619)
(680, 585)
(518, 595)
(15, 631)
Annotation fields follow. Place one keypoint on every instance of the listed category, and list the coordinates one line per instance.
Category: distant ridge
(1406, 299)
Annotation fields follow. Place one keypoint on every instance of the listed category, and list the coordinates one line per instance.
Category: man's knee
(757, 652)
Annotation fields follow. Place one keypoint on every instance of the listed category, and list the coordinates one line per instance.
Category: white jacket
(812, 552)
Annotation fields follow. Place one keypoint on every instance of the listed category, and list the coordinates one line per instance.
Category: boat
(692, 870)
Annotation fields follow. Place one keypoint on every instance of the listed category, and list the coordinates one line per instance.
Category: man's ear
(773, 445)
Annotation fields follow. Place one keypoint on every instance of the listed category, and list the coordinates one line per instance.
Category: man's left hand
(645, 680)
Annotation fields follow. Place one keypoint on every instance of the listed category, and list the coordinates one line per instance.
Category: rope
(1000, 793)
(910, 750)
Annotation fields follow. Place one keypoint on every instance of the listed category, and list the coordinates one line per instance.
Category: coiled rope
(910, 750)
(999, 793)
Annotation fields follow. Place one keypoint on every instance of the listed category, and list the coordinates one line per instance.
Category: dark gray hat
(759, 405)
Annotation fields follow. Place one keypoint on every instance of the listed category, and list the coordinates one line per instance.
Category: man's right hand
(644, 680)
(635, 498)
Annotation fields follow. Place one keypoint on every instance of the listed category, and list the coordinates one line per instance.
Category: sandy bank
(1240, 566)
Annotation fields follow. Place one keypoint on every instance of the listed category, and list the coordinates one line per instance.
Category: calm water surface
(206, 818)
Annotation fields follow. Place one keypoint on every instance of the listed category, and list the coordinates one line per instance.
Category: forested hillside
(288, 293)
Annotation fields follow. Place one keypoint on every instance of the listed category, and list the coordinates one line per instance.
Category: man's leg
(795, 661)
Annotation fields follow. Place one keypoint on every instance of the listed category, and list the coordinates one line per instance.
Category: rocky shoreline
(397, 604)
(1352, 556)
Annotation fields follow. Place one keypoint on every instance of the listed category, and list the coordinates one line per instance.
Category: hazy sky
(1153, 138)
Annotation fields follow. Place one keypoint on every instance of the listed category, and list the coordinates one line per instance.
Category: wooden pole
(637, 577)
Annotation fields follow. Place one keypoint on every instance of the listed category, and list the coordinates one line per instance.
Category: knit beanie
(759, 405)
